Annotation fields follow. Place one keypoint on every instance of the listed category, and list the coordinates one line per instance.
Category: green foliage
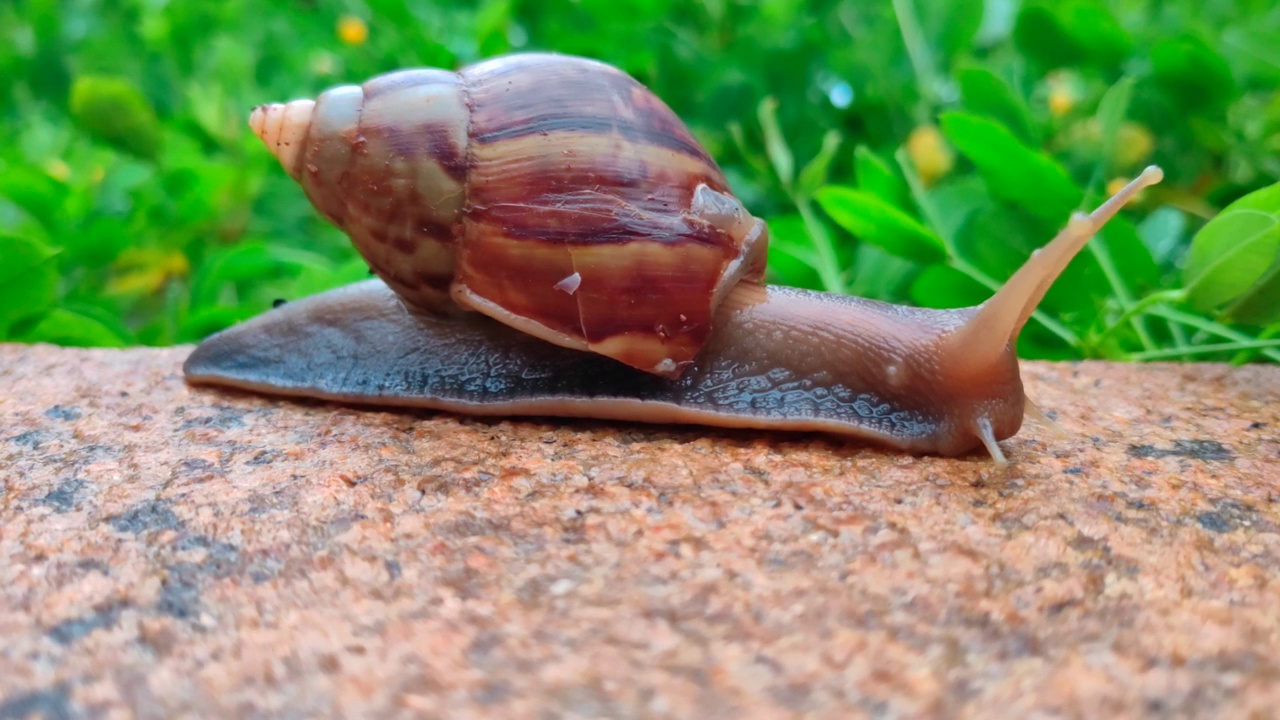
(910, 151)
(876, 221)
(115, 111)
(1014, 173)
(28, 282)
(1234, 262)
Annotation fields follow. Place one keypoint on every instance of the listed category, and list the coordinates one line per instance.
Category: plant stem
(1179, 334)
(918, 193)
(1247, 355)
(1121, 291)
(828, 265)
(917, 50)
(1210, 327)
(1136, 308)
(1204, 349)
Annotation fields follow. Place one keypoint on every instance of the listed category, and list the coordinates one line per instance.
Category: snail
(550, 240)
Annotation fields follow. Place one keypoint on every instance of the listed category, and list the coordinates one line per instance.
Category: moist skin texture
(781, 359)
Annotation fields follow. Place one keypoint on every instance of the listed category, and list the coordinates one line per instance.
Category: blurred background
(909, 150)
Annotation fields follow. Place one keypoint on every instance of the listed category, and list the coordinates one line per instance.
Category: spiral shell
(555, 194)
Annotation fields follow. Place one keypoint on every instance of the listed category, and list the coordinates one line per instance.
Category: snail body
(549, 240)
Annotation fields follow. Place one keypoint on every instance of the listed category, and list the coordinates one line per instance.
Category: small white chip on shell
(570, 284)
(666, 367)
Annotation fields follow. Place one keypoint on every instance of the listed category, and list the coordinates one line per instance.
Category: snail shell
(554, 194)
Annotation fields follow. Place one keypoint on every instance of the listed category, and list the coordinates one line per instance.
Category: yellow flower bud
(352, 30)
(176, 264)
(930, 154)
(1060, 103)
(1064, 92)
(143, 271)
(1134, 145)
(58, 169)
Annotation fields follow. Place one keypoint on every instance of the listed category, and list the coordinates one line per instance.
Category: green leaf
(984, 93)
(243, 262)
(1112, 110)
(34, 191)
(68, 328)
(1232, 257)
(950, 26)
(203, 322)
(492, 23)
(1162, 232)
(314, 279)
(784, 164)
(792, 260)
(1257, 47)
(815, 173)
(1013, 171)
(877, 177)
(1260, 305)
(1041, 35)
(1192, 73)
(115, 111)
(876, 273)
(1058, 33)
(97, 244)
(942, 286)
(873, 220)
(1095, 27)
(15, 220)
(28, 278)
(953, 201)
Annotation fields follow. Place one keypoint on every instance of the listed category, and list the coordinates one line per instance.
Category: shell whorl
(385, 161)
(490, 187)
(283, 127)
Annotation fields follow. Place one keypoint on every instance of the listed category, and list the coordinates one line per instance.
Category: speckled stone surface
(166, 550)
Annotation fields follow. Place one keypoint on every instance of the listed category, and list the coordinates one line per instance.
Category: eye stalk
(1000, 319)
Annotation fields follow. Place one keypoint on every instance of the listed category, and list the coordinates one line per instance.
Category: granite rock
(166, 550)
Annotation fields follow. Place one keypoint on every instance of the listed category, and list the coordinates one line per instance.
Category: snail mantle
(175, 550)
